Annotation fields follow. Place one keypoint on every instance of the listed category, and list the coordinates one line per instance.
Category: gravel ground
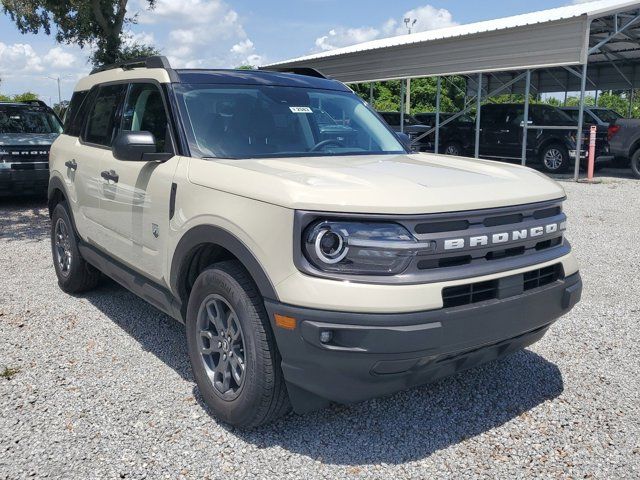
(99, 386)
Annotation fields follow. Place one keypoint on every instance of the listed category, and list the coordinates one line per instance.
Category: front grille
(542, 277)
(471, 293)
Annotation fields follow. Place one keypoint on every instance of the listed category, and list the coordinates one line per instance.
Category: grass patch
(8, 373)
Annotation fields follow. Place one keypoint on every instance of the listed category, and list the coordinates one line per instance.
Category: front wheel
(635, 163)
(232, 349)
(555, 158)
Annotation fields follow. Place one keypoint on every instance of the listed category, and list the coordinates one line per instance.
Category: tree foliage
(20, 97)
(424, 90)
(98, 23)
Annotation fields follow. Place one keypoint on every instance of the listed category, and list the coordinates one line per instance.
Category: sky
(229, 33)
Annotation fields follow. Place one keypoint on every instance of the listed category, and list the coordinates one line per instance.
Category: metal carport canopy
(550, 38)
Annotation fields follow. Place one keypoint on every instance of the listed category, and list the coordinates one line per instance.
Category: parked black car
(412, 127)
(553, 144)
(624, 141)
(451, 133)
(27, 131)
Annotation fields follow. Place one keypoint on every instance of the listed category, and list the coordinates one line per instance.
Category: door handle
(110, 175)
(71, 164)
(505, 131)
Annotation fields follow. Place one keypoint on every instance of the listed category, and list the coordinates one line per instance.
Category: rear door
(136, 206)
(493, 122)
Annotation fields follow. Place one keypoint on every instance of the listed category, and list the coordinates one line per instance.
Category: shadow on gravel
(412, 425)
(24, 219)
(408, 426)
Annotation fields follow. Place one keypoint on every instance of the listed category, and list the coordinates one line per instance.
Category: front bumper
(24, 178)
(371, 355)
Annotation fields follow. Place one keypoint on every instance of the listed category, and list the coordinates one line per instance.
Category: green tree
(98, 23)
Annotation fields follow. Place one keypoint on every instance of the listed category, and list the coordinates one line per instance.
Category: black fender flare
(203, 234)
(54, 184)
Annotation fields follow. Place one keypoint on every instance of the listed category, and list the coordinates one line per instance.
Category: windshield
(23, 119)
(237, 121)
(606, 115)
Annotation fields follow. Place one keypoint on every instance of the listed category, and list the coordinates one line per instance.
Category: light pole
(409, 23)
(58, 79)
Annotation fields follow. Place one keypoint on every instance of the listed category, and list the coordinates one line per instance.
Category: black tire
(555, 158)
(257, 394)
(635, 163)
(452, 148)
(74, 274)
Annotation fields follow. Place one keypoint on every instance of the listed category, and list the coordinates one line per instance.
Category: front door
(136, 206)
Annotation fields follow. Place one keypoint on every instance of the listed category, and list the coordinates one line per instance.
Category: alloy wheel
(553, 159)
(221, 344)
(63, 247)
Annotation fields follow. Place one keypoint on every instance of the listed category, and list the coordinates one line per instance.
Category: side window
(492, 115)
(72, 117)
(144, 111)
(101, 121)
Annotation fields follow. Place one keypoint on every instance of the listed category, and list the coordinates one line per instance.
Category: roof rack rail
(146, 62)
(307, 71)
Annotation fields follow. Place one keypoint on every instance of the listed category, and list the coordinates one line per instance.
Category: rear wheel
(452, 148)
(635, 163)
(74, 274)
(233, 353)
(555, 158)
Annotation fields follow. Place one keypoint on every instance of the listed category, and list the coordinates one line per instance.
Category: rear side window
(144, 111)
(72, 117)
(102, 116)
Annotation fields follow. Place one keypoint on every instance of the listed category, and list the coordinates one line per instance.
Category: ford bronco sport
(307, 269)
(27, 130)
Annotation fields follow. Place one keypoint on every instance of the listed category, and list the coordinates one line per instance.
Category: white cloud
(19, 58)
(132, 38)
(342, 37)
(201, 33)
(427, 18)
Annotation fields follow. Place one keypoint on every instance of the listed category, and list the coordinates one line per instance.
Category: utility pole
(409, 23)
(58, 80)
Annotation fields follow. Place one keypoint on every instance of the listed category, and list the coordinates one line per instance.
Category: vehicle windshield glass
(24, 119)
(257, 121)
(606, 115)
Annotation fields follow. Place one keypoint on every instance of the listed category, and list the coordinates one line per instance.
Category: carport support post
(438, 92)
(525, 118)
(402, 84)
(583, 86)
(478, 106)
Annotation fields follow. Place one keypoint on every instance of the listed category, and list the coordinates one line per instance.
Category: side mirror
(137, 147)
(404, 139)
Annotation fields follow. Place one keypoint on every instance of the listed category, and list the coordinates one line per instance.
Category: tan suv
(312, 258)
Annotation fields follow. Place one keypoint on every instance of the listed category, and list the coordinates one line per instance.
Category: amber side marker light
(287, 323)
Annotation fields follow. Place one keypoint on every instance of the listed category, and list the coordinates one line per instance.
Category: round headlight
(330, 246)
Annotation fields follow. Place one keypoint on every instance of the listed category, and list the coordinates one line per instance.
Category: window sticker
(300, 109)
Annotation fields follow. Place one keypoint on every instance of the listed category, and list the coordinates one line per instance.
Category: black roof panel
(257, 77)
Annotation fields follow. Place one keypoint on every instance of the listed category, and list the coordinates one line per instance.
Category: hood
(26, 139)
(403, 184)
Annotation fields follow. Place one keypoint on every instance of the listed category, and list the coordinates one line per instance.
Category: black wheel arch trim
(210, 234)
(56, 184)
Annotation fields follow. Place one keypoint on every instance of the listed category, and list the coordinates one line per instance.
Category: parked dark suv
(550, 144)
(456, 137)
(27, 131)
(412, 127)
